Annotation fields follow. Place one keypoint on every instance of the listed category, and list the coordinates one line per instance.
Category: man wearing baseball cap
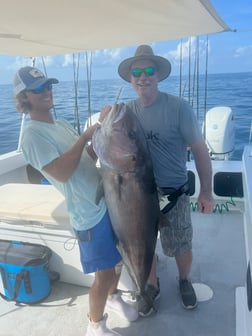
(66, 159)
(170, 126)
(30, 78)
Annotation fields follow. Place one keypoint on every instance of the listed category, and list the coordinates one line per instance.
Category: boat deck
(219, 263)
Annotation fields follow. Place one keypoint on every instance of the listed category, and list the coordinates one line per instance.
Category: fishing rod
(206, 83)
(76, 65)
(45, 72)
(119, 94)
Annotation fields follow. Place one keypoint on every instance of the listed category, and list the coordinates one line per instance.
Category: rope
(76, 80)
(218, 207)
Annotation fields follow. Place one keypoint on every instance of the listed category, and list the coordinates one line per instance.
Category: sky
(227, 52)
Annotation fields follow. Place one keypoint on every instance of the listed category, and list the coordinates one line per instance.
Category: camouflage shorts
(176, 231)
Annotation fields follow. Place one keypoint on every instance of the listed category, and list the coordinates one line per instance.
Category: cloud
(187, 49)
(243, 51)
(107, 56)
(20, 62)
(99, 57)
(67, 60)
(30, 61)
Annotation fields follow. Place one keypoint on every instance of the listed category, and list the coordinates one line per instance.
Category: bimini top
(40, 28)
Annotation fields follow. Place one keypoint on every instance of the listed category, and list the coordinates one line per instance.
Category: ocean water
(233, 90)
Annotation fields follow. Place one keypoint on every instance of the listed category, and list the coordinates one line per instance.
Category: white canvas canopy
(39, 28)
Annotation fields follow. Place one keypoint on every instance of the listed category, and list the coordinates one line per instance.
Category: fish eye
(132, 134)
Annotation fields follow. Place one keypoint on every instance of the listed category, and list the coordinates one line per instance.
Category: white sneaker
(116, 304)
(100, 328)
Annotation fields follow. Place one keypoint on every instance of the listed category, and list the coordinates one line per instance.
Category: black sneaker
(188, 296)
(145, 308)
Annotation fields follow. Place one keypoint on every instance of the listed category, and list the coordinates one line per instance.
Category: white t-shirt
(44, 142)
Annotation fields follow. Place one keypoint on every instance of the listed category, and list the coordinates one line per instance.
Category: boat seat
(33, 202)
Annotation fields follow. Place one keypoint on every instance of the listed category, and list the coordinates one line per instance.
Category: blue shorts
(97, 247)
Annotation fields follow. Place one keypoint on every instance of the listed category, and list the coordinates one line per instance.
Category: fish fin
(91, 152)
(98, 150)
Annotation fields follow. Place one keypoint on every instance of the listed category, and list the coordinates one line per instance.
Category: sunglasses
(149, 71)
(41, 88)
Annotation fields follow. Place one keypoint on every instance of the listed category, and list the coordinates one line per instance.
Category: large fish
(130, 190)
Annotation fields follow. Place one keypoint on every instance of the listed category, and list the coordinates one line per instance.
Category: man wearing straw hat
(170, 126)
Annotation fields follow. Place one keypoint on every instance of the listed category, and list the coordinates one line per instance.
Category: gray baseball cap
(29, 78)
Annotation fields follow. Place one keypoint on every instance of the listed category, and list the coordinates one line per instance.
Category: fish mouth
(115, 141)
(119, 113)
(113, 118)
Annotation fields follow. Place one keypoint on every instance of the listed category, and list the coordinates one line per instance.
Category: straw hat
(145, 52)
